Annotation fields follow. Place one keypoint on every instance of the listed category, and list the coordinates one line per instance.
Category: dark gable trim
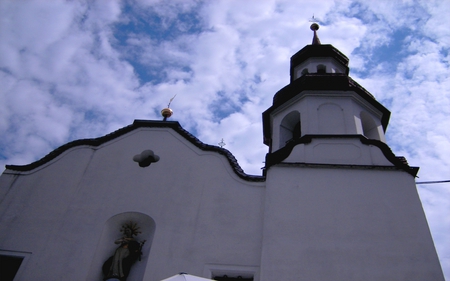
(141, 124)
(320, 82)
(398, 161)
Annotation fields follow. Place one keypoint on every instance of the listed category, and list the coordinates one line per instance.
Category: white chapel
(150, 200)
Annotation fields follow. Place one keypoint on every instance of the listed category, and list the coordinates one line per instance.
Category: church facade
(150, 200)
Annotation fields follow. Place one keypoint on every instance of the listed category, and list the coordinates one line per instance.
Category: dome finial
(314, 27)
(167, 112)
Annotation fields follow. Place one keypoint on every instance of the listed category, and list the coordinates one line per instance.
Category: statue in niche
(117, 267)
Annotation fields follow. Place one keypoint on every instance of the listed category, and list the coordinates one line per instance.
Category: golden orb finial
(166, 113)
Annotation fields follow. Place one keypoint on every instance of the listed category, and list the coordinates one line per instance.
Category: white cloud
(65, 74)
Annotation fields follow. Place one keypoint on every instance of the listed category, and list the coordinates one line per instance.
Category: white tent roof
(185, 277)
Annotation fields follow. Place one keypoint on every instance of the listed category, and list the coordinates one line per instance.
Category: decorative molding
(146, 158)
(399, 162)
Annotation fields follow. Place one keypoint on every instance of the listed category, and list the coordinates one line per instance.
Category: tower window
(9, 265)
(233, 273)
(370, 129)
(235, 278)
(290, 128)
(296, 133)
(321, 68)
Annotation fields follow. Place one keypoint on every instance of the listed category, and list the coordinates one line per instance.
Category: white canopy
(185, 277)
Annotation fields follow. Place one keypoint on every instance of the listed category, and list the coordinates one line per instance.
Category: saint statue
(117, 267)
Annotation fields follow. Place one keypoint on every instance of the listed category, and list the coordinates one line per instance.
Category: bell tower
(323, 115)
(339, 204)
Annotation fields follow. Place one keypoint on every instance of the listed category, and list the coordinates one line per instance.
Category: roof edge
(95, 142)
(322, 50)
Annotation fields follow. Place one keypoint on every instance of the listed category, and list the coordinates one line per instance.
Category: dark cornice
(398, 161)
(141, 124)
(325, 50)
(318, 51)
(321, 82)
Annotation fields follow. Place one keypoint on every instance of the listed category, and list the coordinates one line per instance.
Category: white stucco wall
(326, 112)
(203, 212)
(344, 151)
(346, 224)
(307, 222)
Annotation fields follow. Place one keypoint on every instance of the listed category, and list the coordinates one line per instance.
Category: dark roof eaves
(342, 82)
(399, 162)
(323, 50)
(95, 142)
(316, 81)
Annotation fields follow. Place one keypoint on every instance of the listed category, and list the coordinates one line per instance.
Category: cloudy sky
(82, 69)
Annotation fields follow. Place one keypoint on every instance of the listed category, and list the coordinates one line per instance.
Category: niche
(331, 119)
(114, 231)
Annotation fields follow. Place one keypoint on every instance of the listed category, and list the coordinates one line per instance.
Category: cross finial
(314, 27)
(221, 143)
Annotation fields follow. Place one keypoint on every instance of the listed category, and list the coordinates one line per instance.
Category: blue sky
(81, 69)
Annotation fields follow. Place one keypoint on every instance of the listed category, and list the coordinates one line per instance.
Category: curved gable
(95, 142)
